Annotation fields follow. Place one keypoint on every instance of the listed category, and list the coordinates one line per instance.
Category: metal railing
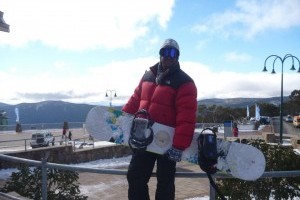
(44, 165)
(24, 144)
(72, 125)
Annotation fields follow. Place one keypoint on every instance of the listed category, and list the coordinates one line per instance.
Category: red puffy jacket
(172, 102)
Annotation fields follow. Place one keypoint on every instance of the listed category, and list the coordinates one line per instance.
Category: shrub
(61, 185)
(278, 158)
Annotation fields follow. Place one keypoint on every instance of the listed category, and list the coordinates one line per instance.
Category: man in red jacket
(169, 96)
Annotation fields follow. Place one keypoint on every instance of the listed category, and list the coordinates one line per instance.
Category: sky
(77, 51)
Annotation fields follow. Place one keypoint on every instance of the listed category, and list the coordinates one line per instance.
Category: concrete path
(111, 187)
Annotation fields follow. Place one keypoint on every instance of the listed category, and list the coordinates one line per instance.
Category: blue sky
(78, 50)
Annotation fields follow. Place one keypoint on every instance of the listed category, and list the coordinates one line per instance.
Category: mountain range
(60, 111)
(46, 112)
(241, 102)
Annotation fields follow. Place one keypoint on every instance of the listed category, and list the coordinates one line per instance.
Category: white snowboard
(241, 160)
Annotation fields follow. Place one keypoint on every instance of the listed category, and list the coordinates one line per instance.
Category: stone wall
(66, 155)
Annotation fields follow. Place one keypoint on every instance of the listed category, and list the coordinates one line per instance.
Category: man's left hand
(174, 154)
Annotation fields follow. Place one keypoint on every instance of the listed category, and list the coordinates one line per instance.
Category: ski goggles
(169, 52)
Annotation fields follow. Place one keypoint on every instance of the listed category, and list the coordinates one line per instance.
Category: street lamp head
(265, 69)
(3, 26)
(298, 70)
(273, 71)
(293, 68)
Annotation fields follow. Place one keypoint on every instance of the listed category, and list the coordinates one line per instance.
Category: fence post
(212, 192)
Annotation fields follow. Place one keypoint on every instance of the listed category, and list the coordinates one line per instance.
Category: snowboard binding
(141, 133)
(207, 151)
(208, 155)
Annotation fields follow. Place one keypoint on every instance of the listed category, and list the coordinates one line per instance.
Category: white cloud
(89, 86)
(123, 76)
(201, 44)
(250, 18)
(223, 84)
(237, 57)
(60, 64)
(83, 24)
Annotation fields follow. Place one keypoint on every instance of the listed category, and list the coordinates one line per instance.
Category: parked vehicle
(41, 139)
(265, 120)
(296, 121)
(289, 118)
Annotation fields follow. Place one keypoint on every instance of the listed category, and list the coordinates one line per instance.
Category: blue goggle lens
(168, 52)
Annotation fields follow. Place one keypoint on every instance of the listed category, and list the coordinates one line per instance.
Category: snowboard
(240, 160)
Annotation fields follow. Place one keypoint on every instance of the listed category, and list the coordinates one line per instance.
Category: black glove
(174, 154)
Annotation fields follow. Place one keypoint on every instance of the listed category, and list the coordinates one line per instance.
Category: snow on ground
(297, 151)
(106, 163)
(6, 173)
(81, 145)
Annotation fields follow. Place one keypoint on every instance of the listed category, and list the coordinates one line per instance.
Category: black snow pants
(139, 173)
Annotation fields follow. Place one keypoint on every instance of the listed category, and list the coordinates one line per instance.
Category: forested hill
(59, 111)
(241, 102)
(46, 112)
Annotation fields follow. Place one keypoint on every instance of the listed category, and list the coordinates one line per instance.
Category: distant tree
(292, 107)
(267, 109)
(226, 113)
(219, 114)
(201, 113)
(295, 96)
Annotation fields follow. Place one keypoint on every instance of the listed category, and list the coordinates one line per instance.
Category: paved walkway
(111, 187)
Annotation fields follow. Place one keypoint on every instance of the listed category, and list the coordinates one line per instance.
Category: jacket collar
(173, 69)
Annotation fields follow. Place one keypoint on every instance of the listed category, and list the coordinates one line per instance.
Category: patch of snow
(6, 173)
(199, 198)
(106, 163)
(297, 151)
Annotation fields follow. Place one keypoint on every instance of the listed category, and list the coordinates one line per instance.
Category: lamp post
(3, 26)
(110, 96)
(275, 57)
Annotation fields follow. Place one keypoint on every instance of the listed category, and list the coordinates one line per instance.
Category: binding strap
(141, 127)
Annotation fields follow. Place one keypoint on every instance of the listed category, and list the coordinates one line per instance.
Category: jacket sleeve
(186, 110)
(133, 103)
